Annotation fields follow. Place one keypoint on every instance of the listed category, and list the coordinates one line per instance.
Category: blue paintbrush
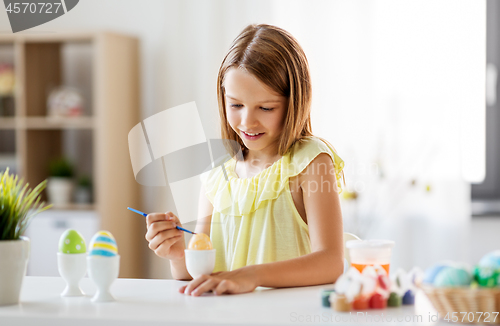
(144, 214)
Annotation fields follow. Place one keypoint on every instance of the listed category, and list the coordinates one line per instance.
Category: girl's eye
(236, 105)
(266, 109)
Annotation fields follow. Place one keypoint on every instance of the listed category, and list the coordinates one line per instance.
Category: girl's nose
(248, 119)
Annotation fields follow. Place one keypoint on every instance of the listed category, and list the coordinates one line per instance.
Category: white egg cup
(72, 268)
(199, 262)
(103, 271)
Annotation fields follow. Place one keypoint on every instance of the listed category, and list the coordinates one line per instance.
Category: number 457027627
(470, 317)
(32, 7)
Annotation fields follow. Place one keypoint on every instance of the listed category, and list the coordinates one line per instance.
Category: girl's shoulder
(308, 145)
(305, 150)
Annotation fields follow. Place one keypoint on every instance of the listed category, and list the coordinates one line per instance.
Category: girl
(283, 226)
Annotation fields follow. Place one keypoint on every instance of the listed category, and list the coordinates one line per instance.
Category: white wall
(147, 22)
(183, 43)
(483, 236)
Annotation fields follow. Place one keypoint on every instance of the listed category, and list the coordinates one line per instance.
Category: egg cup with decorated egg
(103, 264)
(200, 256)
(71, 262)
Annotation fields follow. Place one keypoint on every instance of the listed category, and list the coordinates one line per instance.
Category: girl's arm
(326, 262)
(324, 218)
(205, 209)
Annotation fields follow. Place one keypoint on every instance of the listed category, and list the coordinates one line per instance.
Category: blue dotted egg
(491, 259)
(431, 272)
(453, 276)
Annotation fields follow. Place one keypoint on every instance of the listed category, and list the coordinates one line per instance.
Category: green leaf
(18, 205)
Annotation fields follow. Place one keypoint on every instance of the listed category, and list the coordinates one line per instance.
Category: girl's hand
(242, 280)
(164, 239)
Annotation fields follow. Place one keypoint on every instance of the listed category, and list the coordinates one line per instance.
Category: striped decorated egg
(103, 244)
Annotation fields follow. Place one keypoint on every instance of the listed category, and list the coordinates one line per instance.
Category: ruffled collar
(232, 169)
(240, 196)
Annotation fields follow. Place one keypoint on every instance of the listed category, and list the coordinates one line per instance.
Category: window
(486, 195)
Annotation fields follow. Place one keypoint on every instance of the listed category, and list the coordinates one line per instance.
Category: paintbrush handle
(145, 215)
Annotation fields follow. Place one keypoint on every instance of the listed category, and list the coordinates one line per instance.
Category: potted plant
(83, 192)
(60, 182)
(18, 205)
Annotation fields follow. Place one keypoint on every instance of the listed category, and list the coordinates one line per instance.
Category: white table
(158, 302)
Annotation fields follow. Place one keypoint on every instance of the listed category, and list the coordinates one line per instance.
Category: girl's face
(255, 112)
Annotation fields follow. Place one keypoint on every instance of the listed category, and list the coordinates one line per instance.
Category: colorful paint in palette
(103, 244)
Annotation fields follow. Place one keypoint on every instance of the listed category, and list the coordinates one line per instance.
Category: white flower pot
(59, 190)
(14, 255)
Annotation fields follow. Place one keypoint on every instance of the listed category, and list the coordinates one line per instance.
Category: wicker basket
(464, 301)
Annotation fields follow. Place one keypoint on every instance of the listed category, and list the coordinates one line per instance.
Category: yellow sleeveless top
(254, 220)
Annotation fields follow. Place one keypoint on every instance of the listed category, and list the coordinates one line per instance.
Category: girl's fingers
(206, 283)
(195, 283)
(164, 248)
(158, 227)
(165, 238)
(223, 287)
(206, 286)
(155, 217)
(171, 216)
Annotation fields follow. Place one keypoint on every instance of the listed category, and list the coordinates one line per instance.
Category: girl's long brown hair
(276, 58)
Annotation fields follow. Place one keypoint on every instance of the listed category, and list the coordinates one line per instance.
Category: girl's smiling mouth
(252, 136)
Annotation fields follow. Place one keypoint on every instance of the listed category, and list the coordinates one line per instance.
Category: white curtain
(392, 81)
(428, 81)
(397, 87)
